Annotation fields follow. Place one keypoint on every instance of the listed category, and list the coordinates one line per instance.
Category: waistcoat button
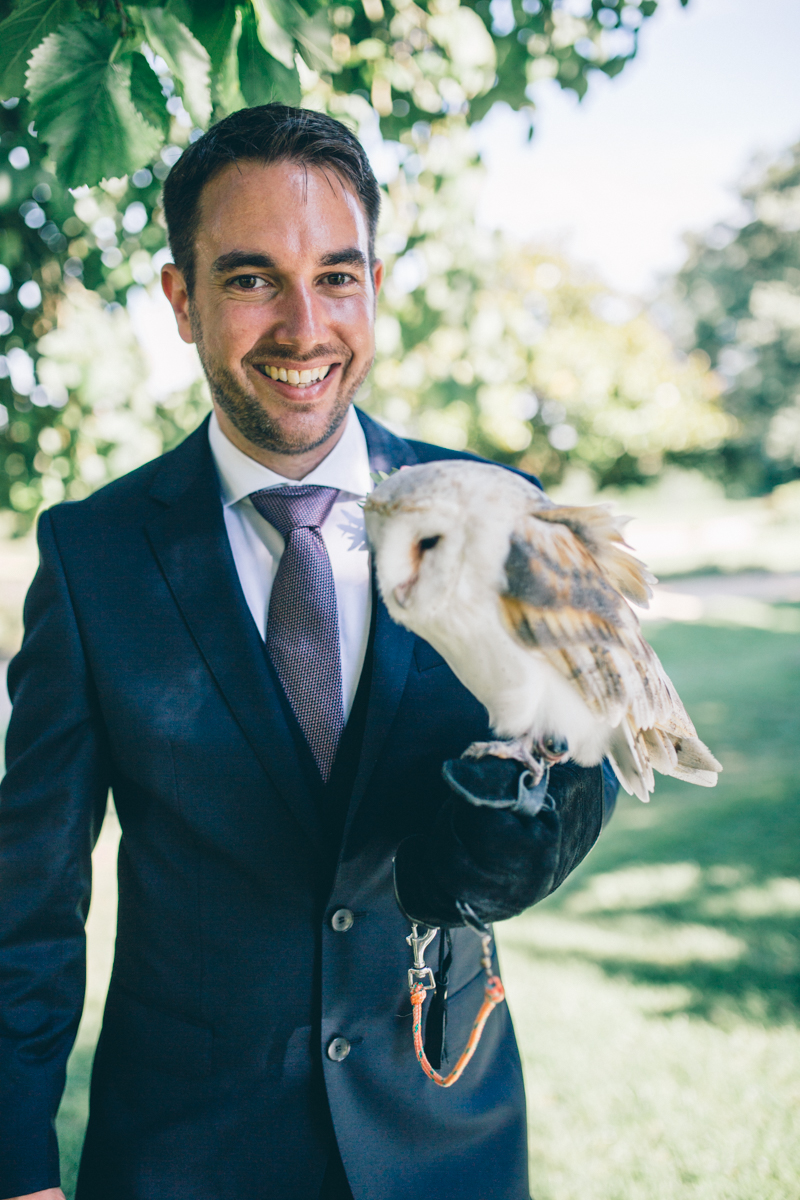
(338, 1049)
(342, 920)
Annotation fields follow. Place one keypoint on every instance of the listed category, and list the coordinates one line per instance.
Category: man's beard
(244, 409)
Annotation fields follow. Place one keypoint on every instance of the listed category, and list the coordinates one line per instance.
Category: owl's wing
(559, 601)
(600, 530)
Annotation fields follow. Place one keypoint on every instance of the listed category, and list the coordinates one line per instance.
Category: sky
(617, 179)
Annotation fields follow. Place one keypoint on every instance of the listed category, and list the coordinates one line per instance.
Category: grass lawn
(656, 996)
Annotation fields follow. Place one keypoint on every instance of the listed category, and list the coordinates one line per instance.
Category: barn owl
(526, 601)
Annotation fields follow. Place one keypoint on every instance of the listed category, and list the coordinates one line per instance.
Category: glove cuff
(493, 782)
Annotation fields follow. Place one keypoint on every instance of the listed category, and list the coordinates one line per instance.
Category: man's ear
(174, 287)
(377, 276)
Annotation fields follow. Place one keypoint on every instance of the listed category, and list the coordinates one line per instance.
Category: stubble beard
(248, 414)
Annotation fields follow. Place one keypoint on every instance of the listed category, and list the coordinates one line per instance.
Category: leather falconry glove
(500, 843)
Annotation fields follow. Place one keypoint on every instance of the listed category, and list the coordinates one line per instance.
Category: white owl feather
(527, 602)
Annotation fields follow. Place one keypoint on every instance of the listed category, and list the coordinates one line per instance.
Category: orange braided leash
(494, 994)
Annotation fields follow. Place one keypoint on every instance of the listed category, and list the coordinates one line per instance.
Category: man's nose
(300, 317)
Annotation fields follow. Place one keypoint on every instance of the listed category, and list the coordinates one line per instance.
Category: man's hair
(268, 133)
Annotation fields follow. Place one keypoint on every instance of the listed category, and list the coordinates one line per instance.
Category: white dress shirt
(257, 546)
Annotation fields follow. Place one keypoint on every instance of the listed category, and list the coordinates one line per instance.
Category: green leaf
(314, 39)
(82, 106)
(146, 93)
(273, 24)
(227, 93)
(261, 77)
(20, 34)
(187, 60)
(212, 23)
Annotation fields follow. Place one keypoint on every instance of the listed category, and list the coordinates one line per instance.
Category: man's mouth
(295, 378)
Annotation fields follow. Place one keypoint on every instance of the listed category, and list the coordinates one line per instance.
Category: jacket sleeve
(52, 802)
(497, 846)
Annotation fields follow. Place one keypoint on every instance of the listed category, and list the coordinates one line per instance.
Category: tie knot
(288, 508)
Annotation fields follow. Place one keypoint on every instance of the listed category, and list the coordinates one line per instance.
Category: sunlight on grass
(631, 1099)
(656, 994)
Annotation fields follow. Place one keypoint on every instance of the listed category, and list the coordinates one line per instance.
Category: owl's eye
(429, 542)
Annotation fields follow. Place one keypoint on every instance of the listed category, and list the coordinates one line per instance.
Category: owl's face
(440, 530)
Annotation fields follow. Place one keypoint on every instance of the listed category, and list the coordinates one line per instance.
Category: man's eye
(338, 279)
(250, 283)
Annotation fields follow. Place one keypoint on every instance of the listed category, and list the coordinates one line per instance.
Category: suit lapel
(394, 645)
(191, 545)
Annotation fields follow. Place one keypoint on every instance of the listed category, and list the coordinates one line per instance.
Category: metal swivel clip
(419, 974)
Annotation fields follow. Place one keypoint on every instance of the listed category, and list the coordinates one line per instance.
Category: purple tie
(303, 626)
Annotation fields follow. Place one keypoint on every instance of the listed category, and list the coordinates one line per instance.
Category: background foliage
(514, 353)
(84, 63)
(739, 301)
(481, 343)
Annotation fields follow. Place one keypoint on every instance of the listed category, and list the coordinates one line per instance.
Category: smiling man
(276, 281)
(203, 638)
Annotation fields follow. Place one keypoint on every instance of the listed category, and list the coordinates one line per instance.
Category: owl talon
(551, 750)
(516, 749)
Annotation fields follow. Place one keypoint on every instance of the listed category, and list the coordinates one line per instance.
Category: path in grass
(656, 995)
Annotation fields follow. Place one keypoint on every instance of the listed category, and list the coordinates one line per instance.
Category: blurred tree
(145, 81)
(738, 301)
(488, 345)
(71, 366)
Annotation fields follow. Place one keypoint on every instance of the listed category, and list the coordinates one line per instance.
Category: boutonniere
(379, 477)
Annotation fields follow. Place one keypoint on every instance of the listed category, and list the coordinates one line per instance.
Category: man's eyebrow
(237, 259)
(337, 258)
(241, 258)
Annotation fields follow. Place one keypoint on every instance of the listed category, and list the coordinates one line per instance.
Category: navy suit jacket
(142, 671)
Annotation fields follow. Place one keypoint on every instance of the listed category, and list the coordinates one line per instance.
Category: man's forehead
(283, 200)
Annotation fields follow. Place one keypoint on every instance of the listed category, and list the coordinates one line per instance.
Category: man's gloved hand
(500, 843)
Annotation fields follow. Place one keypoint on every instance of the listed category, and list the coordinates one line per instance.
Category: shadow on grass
(699, 889)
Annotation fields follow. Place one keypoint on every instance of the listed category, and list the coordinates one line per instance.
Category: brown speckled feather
(560, 602)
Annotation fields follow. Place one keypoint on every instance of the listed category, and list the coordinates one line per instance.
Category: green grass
(656, 995)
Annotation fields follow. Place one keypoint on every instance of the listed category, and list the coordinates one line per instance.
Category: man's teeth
(296, 378)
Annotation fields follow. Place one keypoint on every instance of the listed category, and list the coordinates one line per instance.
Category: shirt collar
(346, 467)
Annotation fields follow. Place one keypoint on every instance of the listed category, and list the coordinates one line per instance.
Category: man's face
(283, 310)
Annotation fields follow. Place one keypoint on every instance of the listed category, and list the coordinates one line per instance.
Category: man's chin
(295, 438)
(298, 431)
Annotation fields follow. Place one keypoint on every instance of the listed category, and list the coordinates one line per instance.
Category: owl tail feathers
(696, 763)
(635, 753)
(628, 756)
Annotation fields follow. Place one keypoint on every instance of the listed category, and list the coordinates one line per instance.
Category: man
(203, 637)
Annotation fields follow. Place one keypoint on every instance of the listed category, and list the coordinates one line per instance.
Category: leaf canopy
(415, 60)
(263, 78)
(146, 93)
(188, 61)
(212, 23)
(76, 87)
(29, 23)
(273, 30)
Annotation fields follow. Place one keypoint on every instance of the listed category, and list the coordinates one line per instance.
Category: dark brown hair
(268, 133)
